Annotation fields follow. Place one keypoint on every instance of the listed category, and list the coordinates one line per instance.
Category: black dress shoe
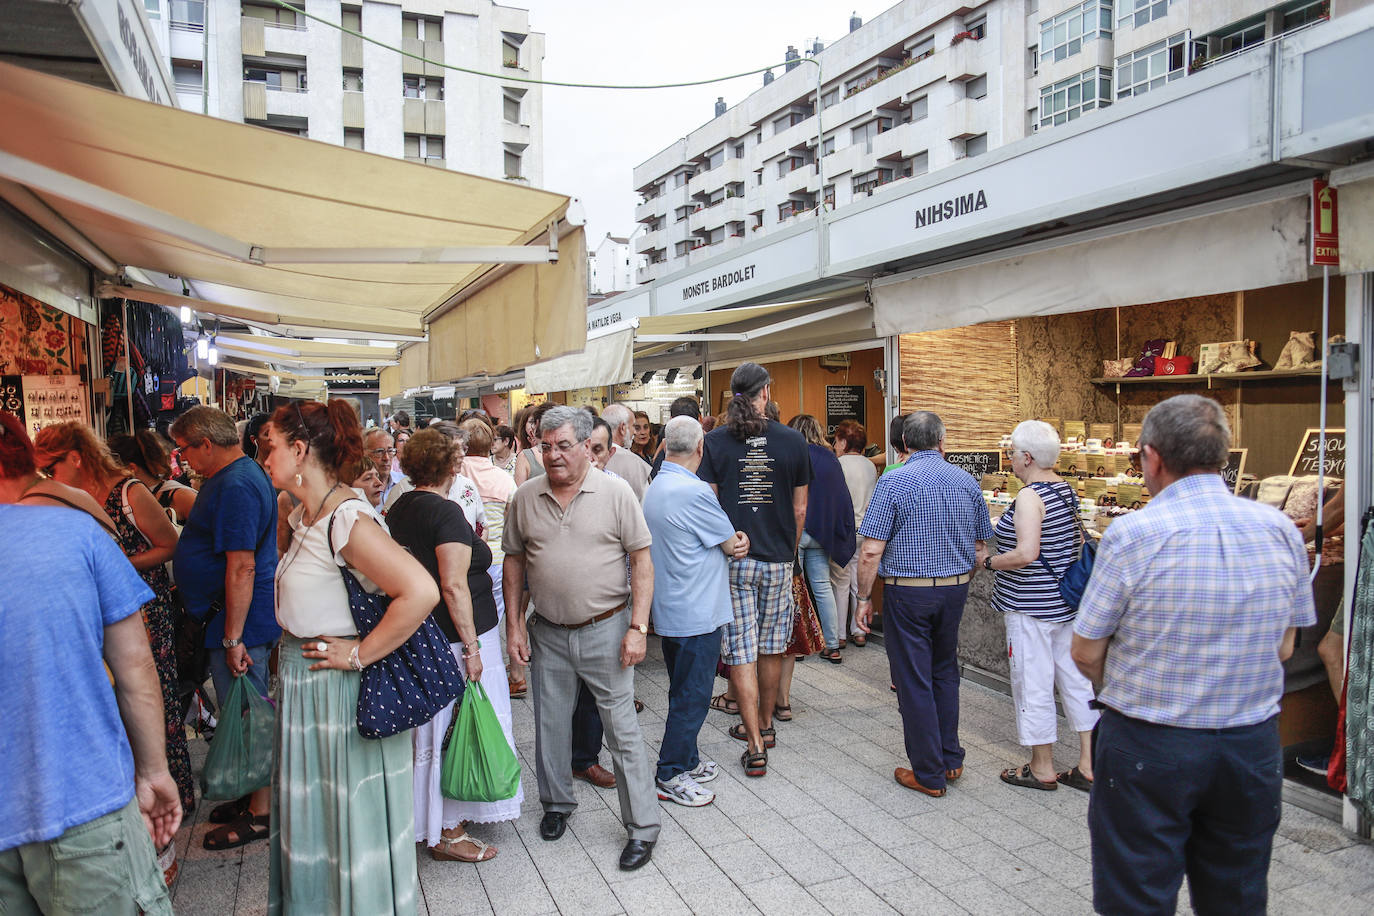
(552, 824)
(635, 854)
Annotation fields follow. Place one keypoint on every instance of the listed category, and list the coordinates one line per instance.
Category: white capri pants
(1038, 652)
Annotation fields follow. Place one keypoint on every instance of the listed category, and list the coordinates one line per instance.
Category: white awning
(1243, 248)
(607, 360)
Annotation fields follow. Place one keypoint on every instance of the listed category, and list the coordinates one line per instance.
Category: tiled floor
(827, 831)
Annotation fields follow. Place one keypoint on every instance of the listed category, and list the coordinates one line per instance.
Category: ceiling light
(672, 376)
(202, 348)
(185, 314)
(213, 356)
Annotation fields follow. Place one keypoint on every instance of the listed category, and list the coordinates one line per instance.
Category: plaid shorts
(761, 596)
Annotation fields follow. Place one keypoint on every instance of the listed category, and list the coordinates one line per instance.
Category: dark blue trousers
(921, 634)
(691, 662)
(586, 730)
(1168, 801)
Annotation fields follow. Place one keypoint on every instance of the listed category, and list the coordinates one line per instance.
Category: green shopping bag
(479, 765)
(240, 756)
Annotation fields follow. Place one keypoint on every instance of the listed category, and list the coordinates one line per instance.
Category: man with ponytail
(761, 472)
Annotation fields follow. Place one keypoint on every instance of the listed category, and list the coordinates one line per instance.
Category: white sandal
(441, 852)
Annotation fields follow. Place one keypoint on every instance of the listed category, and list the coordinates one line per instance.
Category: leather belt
(936, 582)
(586, 623)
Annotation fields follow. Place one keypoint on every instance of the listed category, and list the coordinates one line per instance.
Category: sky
(593, 138)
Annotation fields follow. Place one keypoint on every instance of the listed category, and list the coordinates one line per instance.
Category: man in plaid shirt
(1193, 606)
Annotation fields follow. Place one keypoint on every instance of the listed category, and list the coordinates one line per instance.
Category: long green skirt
(343, 818)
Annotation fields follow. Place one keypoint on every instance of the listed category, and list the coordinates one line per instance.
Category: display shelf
(1238, 378)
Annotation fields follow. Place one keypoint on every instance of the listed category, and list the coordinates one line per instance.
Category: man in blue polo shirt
(692, 539)
(925, 532)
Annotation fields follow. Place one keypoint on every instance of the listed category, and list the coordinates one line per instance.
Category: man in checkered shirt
(1192, 609)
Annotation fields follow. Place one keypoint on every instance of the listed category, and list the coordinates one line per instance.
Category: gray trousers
(559, 658)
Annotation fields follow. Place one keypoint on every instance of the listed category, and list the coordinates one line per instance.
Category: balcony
(705, 218)
(966, 59)
(353, 116)
(650, 209)
(963, 119)
(288, 103)
(287, 39)
(517, 134)
(649, 241)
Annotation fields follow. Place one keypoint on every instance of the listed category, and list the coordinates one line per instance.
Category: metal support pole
(128, 364)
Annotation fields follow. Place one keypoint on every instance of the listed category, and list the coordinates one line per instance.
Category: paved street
(827, 831)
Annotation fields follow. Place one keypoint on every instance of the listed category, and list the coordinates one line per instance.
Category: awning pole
(128, 363)
(1321, 417)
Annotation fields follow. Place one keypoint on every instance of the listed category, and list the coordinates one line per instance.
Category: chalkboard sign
(1305, 462)
(844, 402)
(977, 463)
(1235, 468)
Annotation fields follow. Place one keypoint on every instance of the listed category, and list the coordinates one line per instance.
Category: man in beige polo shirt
(567, 534)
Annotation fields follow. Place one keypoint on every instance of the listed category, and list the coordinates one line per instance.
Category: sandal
(241, 832)
(722, 703)
(951, 775)
(755, 762)
(782, 713)
(1023, 777)
(445, 850)
(769, 735)
(1075, 779)
(518, 687)
(831, 655)
(230, 811)
(639, 706)
(859, 640)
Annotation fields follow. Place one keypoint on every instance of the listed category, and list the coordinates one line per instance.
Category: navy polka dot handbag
(411, 685)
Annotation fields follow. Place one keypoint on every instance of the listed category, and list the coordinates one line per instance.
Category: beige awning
(389, 382)
(302, 354)
(286, 231)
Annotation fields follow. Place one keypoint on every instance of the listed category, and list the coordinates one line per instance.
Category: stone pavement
(827, 831)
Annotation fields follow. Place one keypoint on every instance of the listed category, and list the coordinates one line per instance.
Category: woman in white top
(343, 829)
(860, 476)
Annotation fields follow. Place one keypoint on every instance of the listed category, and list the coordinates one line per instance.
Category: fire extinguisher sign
(1326, 247)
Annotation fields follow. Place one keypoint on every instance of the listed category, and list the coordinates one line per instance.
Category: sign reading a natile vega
(1326, 240)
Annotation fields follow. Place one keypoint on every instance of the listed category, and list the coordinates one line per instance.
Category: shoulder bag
(411, 685)
(1073, 581)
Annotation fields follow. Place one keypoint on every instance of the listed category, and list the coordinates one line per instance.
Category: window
(681, 178)
(865, 133)
(423, 146)
(1140, 12)
(187, 15)
(978, 28)
(515, 167)
(1242, 38)
(422, 28)
(829, 196)
(918, 164)
(353, 138)
(422, 87)
(1315, 11)
(976, 146)
(510, 106)
(510, 50)
(353, 81)
(351, 20)
(681, 248)
(188, 76)
(715, 160)
(682, 213)
(867, 181)
(923, 48)
(273, 15)
(1066, 34)
(830, 98)
(976, 88)
(1150, 67)
(919, 109)
(1033, 60)
(152, 8)
(1067, 99)
(786, 121)
(828, 146)
(739, 150)
(276, 80)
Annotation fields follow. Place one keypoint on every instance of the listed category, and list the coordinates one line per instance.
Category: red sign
(1326, 245)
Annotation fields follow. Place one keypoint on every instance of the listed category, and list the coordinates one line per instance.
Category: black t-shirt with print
(755, 479)
(420, 521)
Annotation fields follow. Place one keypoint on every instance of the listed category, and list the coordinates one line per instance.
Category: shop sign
(791, 260)
(977, 463)
(1235, 468)
(844, 402)
(609, 313)
(1325, 249)
(1307, 461)
(122, 39)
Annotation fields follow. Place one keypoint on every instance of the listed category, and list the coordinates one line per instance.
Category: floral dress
(157, 617)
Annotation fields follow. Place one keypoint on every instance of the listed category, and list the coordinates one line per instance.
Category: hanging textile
(1359, 712)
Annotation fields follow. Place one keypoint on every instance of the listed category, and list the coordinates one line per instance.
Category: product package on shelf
(1226, 357)
(52, 399)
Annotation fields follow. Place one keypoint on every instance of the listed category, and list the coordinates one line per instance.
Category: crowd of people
(545, 551)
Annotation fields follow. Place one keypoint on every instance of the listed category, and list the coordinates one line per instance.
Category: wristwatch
(643, 628)
(987, 562)
(230, 643)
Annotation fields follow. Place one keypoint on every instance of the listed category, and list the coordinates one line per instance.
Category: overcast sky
(593, 138)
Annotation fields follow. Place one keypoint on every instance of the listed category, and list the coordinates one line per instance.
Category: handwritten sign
(844, 402)
(1306, 461)
(1235, 468)
(977, 463)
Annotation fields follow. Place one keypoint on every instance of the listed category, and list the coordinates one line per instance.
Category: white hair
(1039, 440)
(681, 435)
(617, 416)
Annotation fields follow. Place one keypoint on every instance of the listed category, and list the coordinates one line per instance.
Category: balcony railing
(1201, 62)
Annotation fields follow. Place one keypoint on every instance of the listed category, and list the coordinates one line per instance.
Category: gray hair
(202, 422)
(1039, 440)
(374, 433)
(681, 435)
(617, 415)
(922, 430)
(558, 417)
(453, 431)
(1189, 432)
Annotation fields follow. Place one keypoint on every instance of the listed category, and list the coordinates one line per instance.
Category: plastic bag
(240, 756)
(479, 765)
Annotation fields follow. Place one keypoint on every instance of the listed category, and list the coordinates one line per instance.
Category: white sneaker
(684, 790)
(705, 771)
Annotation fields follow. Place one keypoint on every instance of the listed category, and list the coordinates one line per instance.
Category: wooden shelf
(1239, 378)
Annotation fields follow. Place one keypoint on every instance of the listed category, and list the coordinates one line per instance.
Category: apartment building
(611, 265)
(256, 62)
(921, 86)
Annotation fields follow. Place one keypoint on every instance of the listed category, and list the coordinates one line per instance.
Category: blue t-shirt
(691, 572)
(235, 510)
(66, 759)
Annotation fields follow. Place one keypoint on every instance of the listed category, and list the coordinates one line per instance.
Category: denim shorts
(105, 866)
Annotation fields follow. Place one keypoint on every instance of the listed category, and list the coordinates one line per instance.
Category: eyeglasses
(380, 452)
(48, 470)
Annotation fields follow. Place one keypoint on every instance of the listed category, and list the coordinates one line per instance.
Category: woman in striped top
(1037, 540)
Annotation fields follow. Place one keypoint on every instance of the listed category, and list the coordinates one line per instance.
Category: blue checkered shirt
(1196, 591)
(930, 513)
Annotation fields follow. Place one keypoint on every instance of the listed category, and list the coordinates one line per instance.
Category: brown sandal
(1022, 776)
(722, 703)
(518, 687)
(238, 833)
